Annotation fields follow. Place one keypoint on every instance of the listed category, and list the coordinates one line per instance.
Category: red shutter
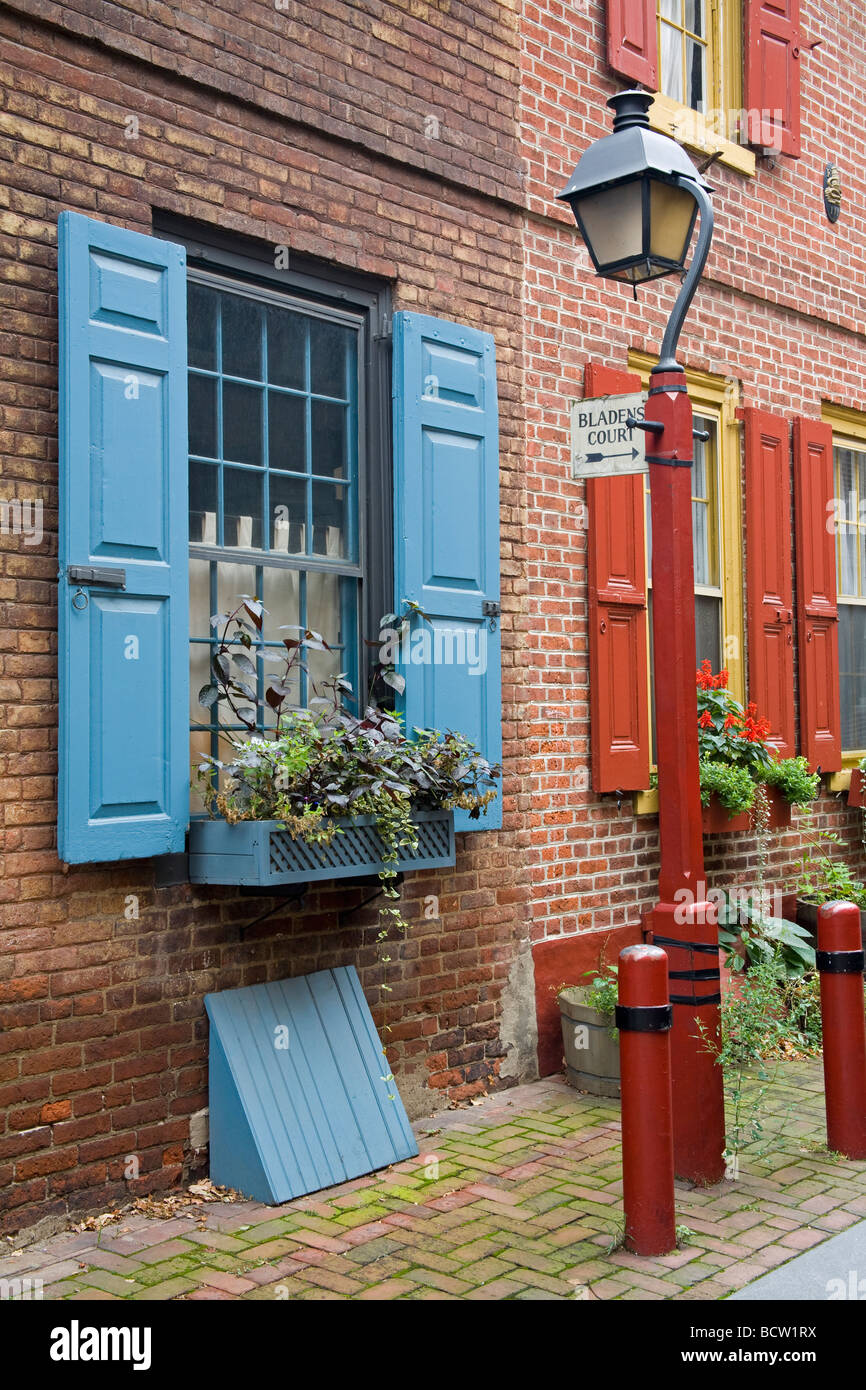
(616, 556)
(769, 600)
(632, 40)
(817, 614)
(773, 43)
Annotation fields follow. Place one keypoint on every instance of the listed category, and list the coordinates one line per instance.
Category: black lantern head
(633, 196)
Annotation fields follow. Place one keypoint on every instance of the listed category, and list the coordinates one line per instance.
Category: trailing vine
(322, 764)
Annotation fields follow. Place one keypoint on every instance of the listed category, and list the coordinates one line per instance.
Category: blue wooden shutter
(123, 777)
(446, 548)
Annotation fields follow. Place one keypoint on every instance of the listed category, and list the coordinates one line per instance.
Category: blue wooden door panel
(446, 547)
(300, 1096)
(123, 775)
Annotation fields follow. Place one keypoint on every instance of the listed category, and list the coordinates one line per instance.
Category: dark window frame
(236, 257)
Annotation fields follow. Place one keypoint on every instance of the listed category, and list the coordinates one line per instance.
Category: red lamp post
(636, 196)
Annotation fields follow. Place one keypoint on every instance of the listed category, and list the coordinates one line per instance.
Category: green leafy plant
(823, 879)
(791, 776)
(752, 1023)
(602, 990)
(769, 1016)
(321, 764)
(761, 937)
(735, 758)
(733, 786)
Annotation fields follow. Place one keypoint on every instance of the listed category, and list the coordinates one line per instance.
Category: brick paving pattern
(520, 1198)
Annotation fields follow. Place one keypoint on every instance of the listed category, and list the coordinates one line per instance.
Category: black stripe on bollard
(840, 962)
(696, 999)
(649, 1018)
(695, 974)
(704, 946)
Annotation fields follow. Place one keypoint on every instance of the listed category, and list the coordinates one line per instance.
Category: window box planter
(857, 790)
(263, 854)
(595, 1067)
(717, 821)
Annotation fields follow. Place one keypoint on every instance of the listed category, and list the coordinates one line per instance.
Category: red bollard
(839, 959)
(644, 1017)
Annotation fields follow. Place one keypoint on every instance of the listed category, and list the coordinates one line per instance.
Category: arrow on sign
(602, 458)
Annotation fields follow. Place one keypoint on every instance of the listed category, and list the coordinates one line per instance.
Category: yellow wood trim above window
(647, 803)
(844, 420)
(720, 396)
(840, 781)
(691, 129)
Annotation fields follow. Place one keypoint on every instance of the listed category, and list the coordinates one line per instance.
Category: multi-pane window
(706, 554)
(686, 51)
(274, 479)
(850, 489)
(706, 546)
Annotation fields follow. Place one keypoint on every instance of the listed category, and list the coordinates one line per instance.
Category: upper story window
(699, 77)
(849, 466)
(686, 51)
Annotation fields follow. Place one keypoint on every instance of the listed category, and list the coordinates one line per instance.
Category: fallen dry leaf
(163, 1206)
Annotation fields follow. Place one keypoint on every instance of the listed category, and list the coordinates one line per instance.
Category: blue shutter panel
(446, 549)
(123, 776)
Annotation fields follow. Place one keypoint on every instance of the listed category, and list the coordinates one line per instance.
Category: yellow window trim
(719, 396)
(647, 803)
(689, 128)
(839, 781)
(849, 427)
(844, 420)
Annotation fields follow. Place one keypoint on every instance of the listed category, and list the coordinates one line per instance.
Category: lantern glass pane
(671, 212)
(613, 223)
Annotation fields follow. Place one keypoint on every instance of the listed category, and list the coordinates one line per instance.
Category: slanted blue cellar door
(446, 544)
(300, 1091)
(123, 778)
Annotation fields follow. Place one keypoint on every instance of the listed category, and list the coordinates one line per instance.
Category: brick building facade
(413, 150)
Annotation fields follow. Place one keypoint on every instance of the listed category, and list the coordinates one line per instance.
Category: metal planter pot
(591, 1054)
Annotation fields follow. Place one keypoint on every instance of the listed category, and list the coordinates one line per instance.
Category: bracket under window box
(262, 853)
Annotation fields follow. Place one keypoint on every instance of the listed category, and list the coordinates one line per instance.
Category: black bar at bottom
(840, 962)
(650, 1018)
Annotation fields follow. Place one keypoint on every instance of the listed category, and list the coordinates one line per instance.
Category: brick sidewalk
(526, 1202)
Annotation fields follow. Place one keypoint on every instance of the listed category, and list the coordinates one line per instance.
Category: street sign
(601, 442)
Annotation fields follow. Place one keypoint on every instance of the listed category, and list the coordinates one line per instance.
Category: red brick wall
(780, 310)
(393, 140)
(103, 1049)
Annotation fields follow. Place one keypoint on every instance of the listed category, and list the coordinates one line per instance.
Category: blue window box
(261, 853)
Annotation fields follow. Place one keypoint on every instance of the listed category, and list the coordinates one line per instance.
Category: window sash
(849, 479)
(689, 44)
(304, 573)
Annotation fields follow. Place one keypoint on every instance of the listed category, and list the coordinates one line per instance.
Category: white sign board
(601, 442)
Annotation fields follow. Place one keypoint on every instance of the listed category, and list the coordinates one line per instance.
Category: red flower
(755, 730)
(704, 677)
(732, 721)
(707, 681)
(706, 720)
